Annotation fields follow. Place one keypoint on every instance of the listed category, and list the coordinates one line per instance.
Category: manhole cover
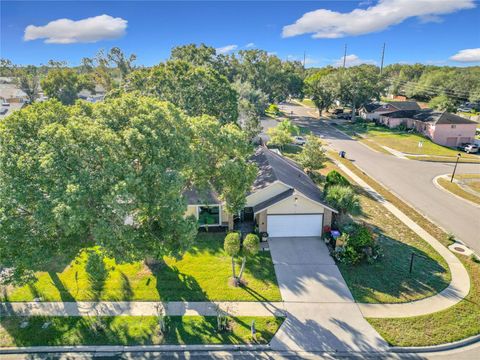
(459, 249)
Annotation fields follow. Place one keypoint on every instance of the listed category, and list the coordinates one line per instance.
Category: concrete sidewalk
(140, 308)
(458, 288)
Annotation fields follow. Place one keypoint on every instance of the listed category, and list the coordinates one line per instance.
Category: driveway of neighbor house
(321, 312)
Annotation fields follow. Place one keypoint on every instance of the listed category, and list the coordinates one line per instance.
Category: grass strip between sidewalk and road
(455, 323)
(454, 188)
(133, 330)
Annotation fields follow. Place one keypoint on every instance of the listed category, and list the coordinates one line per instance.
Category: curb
(438, 348)
(136, 348)
(440, 187)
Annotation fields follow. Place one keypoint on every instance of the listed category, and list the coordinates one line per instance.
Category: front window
(209, 215)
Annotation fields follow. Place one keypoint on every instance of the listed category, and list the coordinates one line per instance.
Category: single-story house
(283, 201)
(442, 128)
(372, 111)
(93, 97)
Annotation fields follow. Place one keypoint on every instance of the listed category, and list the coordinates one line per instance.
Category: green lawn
(201, 275)
(401, 141)
(457, 322)
(133, 330)
(458, 190)
(388, 280)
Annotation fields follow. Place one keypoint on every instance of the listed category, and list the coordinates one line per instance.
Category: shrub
(335, 178)
(344, 200)
(273, 109)
(355, 244)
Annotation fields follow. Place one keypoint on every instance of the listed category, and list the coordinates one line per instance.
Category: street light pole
(455, 168)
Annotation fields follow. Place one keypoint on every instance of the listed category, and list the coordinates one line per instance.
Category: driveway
(412, 180)
(321, 312)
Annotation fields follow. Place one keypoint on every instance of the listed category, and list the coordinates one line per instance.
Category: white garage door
(294, 225)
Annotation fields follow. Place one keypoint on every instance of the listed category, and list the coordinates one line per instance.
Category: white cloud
(352, 60)
(325, 23)
(226, 49)
(467, 55)
(250, 45)
(66, 31)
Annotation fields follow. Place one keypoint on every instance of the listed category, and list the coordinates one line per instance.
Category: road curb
(134, 348)
(437, 348)
(440, 187)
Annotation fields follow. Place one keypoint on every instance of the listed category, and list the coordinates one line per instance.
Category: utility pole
(304, 55)
(345, 56)
(383, 57)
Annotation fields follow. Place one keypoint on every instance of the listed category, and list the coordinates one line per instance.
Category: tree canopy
(65, 84)
(73, 175)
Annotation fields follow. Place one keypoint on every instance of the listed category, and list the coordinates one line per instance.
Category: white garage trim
(298, 225)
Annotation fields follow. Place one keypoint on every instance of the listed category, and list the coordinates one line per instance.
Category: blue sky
(429, 32)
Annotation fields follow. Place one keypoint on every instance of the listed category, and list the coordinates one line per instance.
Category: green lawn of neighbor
(202, 274)
(401, 141)
(388, 280)
(133, 330)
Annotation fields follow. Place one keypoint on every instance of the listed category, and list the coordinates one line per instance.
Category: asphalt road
(411, 180)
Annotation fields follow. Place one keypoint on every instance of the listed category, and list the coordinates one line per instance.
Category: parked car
(299, 140)
(469, 148)
(337, 111)
(346, 116)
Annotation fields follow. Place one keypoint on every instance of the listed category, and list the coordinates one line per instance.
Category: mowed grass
(133, 330)
(402, 141)
(456, 189)
(455, 323)
(388, 280)
(202, 274)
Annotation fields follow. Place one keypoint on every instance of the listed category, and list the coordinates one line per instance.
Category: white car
(470, 148)
(299, 140)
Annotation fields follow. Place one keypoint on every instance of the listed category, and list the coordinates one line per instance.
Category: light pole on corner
(455, 168)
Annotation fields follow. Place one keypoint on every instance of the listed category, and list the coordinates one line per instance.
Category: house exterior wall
(394, 122)
(265, 194)
(191, 210)
(327, 217)
(299, 206)
(261, 219)
(462, 133)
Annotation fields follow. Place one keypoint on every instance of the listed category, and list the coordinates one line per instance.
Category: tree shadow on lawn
(389, 280)
(173, 285)
(102, 330)
(209, 242)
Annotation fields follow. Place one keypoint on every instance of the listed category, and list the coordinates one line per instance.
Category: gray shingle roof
(436, 117)
(199, 197)
(273, 167)
(405, 105)
(273, 200)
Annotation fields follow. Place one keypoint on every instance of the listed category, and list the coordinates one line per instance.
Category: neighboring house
(442, 128)
(11, 93)
(11, 97)
(284, 201)
(98, 95)
(373, 111)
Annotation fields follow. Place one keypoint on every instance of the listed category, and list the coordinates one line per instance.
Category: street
(409, 179)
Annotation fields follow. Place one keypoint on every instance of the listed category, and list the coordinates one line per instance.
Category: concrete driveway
(321, 312)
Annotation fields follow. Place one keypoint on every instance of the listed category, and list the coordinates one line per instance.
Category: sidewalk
(140, 308)
(458, 288)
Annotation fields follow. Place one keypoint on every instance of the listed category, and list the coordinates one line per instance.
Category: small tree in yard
(279, 137)
(335, 178)
(313, 155)
(250, 248)
(344, 199)
(231, 246)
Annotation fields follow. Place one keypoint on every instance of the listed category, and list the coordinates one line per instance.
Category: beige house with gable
(284, 201)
